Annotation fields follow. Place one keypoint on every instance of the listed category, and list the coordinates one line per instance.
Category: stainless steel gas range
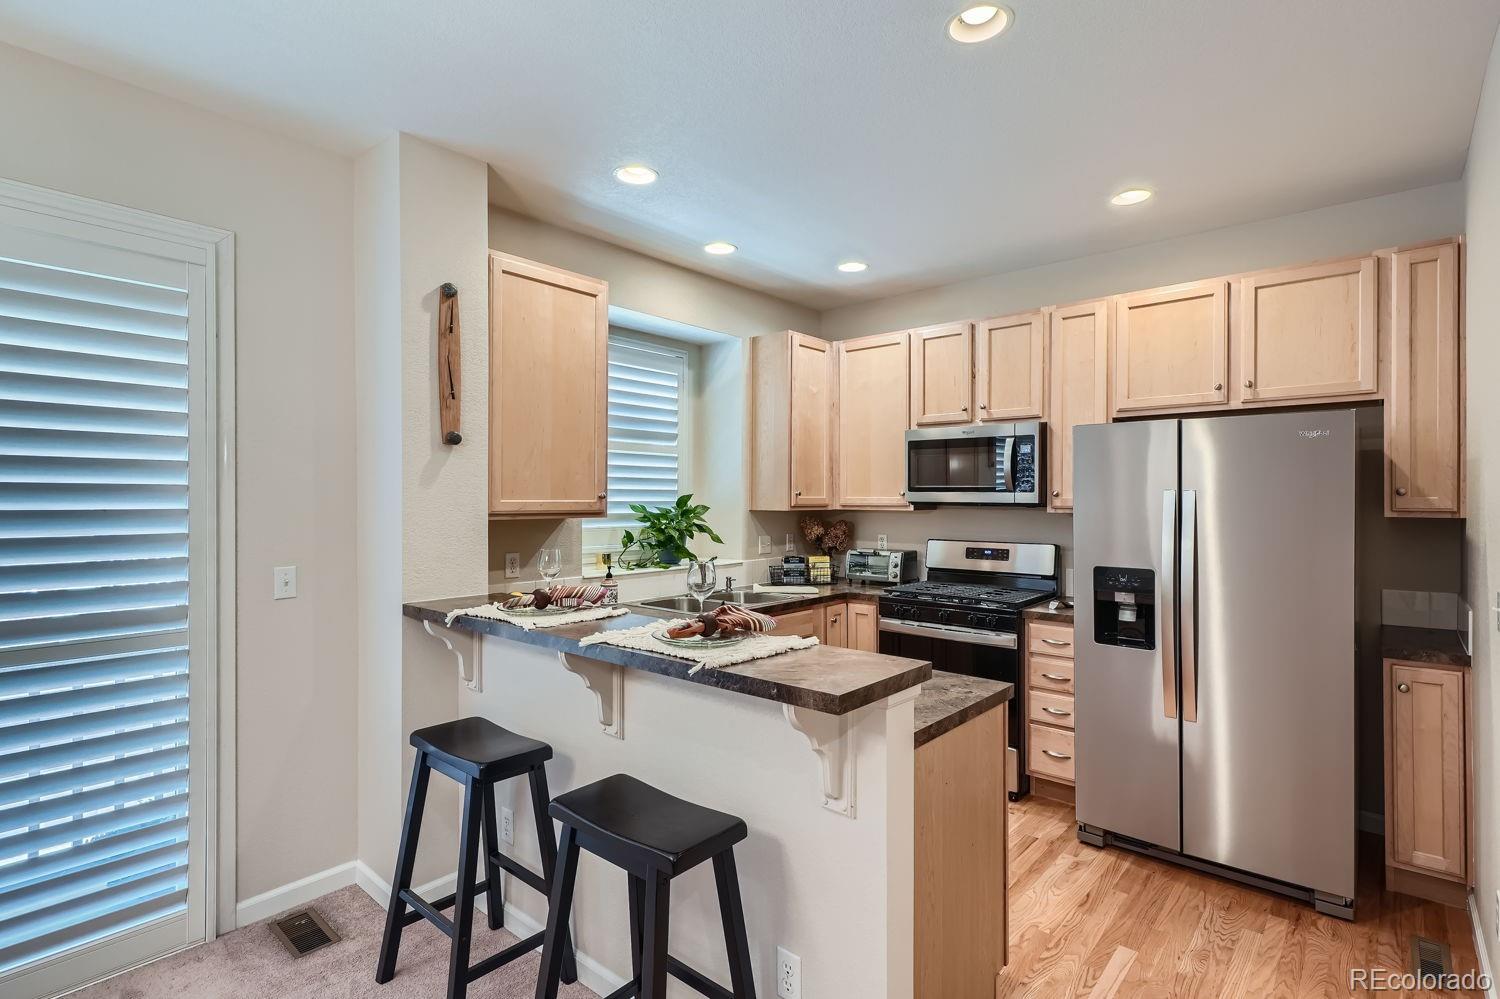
(965, 617)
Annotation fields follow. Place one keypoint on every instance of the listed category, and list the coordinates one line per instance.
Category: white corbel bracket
(607, 683)
(829, 737)
(468, 660)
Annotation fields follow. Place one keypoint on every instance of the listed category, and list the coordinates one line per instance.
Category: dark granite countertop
(1040, 612)
(828, 679)
(950, 699)
(1423, 645)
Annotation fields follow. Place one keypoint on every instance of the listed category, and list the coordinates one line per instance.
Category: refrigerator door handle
(1169, 602)
(1189, 605)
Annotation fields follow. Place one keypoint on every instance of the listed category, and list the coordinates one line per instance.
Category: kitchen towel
(754, 647)
(494, 612)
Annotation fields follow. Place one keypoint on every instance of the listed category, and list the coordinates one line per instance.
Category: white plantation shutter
(647, 393)
(96, 413)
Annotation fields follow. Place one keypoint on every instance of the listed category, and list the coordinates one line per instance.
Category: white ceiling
(810, 131)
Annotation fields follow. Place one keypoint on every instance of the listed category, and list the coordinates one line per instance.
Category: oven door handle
(969, 636)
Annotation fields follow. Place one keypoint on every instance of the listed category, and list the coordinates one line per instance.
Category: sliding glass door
(107, 596)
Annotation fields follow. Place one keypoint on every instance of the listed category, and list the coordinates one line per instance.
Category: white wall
(1482, 321)
(289, 206)
(1411, 216)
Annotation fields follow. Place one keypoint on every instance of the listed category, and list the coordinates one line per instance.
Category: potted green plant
(662, 541)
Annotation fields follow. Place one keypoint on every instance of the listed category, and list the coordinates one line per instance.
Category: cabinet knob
(798, 493)
(604, 495)
(1403, 687)
(1057, 492)
(966, 409)
(1218, 386)
(1249, 383)
(983, 406)
(1400, 490)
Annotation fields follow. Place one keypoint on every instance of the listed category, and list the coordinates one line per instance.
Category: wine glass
(549, 563)
(702, 577)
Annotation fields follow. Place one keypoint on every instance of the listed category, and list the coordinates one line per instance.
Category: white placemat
(495, 612)
(754, 647)
(782, 588)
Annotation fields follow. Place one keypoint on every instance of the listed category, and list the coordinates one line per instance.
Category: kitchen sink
(688, 604)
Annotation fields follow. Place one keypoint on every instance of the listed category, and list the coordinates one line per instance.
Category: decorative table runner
(495, 612)
(753, 647)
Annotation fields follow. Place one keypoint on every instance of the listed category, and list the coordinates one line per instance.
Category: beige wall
(289, 206)
(1410, 216)
(1482, 183)
(655, 288)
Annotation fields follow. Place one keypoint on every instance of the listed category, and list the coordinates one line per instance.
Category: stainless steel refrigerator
(1214, 573)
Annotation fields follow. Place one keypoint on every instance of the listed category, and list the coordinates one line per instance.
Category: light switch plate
(763, 544)
(791, 544)
(283, 582)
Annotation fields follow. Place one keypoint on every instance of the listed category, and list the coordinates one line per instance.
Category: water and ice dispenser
(1125, 607)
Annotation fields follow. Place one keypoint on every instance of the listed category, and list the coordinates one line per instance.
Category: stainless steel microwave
(993, 463)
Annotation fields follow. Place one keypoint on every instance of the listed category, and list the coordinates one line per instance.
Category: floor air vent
(1430, 958)
(303, 932)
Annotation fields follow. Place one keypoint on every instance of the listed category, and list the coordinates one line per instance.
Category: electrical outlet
(881, 542)
(512, 565)
(764, 544)
(283, 582)
(507, 826)
(788, 974)
(791, 543)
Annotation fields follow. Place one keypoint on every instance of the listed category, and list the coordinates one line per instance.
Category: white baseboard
(1481, 946)
(290, 896)
(591, 973)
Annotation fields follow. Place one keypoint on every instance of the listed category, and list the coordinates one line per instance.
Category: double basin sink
(688, 604)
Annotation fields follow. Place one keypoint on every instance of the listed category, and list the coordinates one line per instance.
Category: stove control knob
(943, 616)
(976, 620)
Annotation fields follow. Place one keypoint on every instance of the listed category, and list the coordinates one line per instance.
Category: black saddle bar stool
(478, 754)
(654, 837)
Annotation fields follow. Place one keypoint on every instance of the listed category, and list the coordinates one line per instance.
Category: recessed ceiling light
(1131, 196)
(980, 22)
(853, 266)
(719, 248)
(635, 173)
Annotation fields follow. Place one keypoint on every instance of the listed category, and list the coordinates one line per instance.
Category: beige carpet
(251, 963)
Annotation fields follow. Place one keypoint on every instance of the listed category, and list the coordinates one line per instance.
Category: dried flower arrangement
(830, 539)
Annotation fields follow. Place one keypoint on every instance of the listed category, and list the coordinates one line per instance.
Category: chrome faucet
(728, 583)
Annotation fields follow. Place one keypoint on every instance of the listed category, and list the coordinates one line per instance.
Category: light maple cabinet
(809, 623)
(549, 355)
(1171, 348)
(1424, 474)
(1050, 715)
(864, 626)
(836, 625)
(942, 374)
(794, 400)
(1078, 356)
(1428, 793)
(873, 382)
(1309, 333)
(1010, 367)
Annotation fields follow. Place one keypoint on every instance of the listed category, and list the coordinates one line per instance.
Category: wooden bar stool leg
(547, 842)
(732, 910)
(463, 903)
(654, 939)
(406, 859)
(637, 893)
(558, 905)
(494, 901)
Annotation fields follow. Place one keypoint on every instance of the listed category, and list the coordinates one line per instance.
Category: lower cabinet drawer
(1050, 673)
(1051, 709)
(1049, 639)
(1050, 753)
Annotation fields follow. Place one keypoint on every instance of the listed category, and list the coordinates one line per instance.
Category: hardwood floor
(1101, 923)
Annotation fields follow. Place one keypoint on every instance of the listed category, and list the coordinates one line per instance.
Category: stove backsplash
(912, 528)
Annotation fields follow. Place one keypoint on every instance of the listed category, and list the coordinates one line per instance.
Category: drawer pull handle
(1056, 641)
(1059, 712)
(1057, 756)
(1057, 677)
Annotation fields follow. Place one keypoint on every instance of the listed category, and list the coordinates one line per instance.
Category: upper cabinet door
(1309, 332)
(1079, 358)
(942, 375)
(1424, 415)
(1010, 367)
(1172, 348)
(549, 355)
(812, 410)
(873, 379)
